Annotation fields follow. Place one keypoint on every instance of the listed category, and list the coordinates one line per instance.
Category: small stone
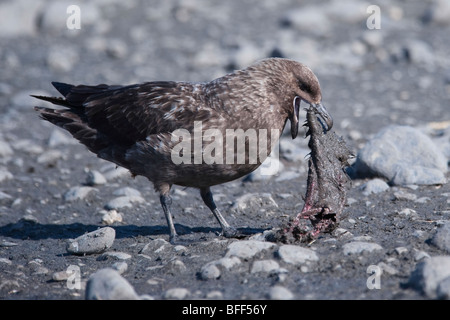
(62, 59)
(50, 157)
(374, 186)
(61, 275)
(120, 266)
(5, 149)
(358, 247)
(94, 177)
(176, 293)
(123, 202)
(210, 271)
(110, 217)
(264, 266)
(127, 191)
(215, 294)
(429, 274)
(78, 193)
(443, 289)
(5, 174)
(254, 200)
(296, 255)
(93, 242)
(441, 238)
(108, 284)
(247, 249)
(59, 137)
(408, 213)
(280, 293)
(115, 255)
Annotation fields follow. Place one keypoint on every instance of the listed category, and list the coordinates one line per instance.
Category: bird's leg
(166, 202)
(227, 230)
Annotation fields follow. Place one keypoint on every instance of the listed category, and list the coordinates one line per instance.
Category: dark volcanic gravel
(53, 190)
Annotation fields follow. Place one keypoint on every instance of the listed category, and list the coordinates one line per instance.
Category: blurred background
(397, 73)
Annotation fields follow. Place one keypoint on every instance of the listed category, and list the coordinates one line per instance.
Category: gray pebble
(5, 149)
(374, 186)
(210, 271)
(120, 266)
(123, 202)
(443, 289)
(93, 242)
(247, 249)
(245, 201)
(280, 293)
(265, 266)
(58, 137)
(296, 255)
(441, 238)
(94, 177)
(127, 191)
(108, 284)
(78, 193)
(358, 247)
(176, 293)
(429, 274)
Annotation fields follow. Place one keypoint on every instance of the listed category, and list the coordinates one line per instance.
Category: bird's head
(306, 87)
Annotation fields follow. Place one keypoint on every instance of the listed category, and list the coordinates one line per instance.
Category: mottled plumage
(133, 126)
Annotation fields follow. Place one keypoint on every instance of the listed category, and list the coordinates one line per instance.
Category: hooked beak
(323, 113)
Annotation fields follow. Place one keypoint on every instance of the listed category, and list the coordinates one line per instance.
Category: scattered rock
(5, 174)
(78, 193)
(441, 238)
(94, 177)
(93, 242)
(263, 200)
(247, 249)
(108, 284)
(127, 191)
(265, 266)
(403, 155)
(296, 255)
(358, 247)
(280, 293)
(110, 217)
(123, 202)
(429, 274)
(374, 186)
(176, 294)
(5, 149)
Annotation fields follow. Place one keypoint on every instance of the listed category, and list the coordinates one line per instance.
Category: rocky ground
(395, 241)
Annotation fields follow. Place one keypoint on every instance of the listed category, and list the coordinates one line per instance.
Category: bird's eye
(305, 87)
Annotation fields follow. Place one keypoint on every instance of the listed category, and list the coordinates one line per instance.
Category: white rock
(374, 186)
(78, 193)
(5, 174)
(357, 247)
(5, 149)
(280, 293)
(429, 274)
(254, 200)
(247, 249)
(127, 191)
(176, 293)
(62, 59)
(264, 266)
(59, 137)
(19, 17)
(93, 242)
(111, 216)
(296, 255)
(94, 177)
(124, 202)
(108, 284)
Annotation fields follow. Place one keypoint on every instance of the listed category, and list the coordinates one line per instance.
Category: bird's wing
(132, 113)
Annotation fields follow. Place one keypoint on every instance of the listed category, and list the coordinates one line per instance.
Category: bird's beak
(294, 117)
(323, 113)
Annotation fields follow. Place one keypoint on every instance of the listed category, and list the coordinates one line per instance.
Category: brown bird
(181, 133)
